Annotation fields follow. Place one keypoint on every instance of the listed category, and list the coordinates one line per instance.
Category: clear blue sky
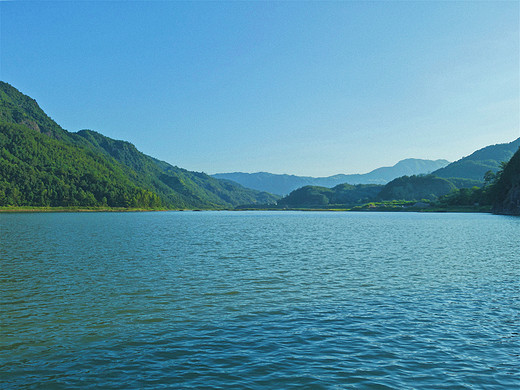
(308, 88)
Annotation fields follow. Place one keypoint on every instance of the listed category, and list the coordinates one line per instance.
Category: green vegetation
(389, 205)
(18, 108)
(43, 165)
(461, 182)
(176, 186)
(416, 187)
(470, 184)
(343, 195)
(478, 163)
(467, 197)
(36, 170)
(500, 193)
(413, 193)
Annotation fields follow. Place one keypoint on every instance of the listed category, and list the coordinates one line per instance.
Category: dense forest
(339, 196)
(42, 164)
(36, 170)
(416, 187)
(176, 185)
(406, 188)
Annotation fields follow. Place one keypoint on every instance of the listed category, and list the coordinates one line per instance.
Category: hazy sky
(308, 88)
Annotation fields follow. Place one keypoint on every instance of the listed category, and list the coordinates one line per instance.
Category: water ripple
(259, 300)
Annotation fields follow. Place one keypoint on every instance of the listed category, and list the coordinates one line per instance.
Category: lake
(259, 300)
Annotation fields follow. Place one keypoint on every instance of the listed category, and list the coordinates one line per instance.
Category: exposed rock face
(507, 200)
(511, 204)
(31, 124)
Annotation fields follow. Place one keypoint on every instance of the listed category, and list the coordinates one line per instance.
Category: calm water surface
(259, 300)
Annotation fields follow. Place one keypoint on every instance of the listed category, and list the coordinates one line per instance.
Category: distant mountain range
(42, 164)
(284, 184)
(465, 173)
(502, 189)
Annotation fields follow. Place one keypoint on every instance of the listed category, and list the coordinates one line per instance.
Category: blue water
(256, 300)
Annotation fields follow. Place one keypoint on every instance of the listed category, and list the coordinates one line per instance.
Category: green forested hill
(42, 164)
(416, 188)
(341, 195)
(478, 163)
(173, 183)
(36, 170)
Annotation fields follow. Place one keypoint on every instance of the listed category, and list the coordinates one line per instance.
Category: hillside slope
(479, 162)
(36, 170)
(42, 164)
(416, 188)
(174, 183)
(339, 196)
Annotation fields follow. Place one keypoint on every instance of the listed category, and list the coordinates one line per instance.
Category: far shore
(451, 209)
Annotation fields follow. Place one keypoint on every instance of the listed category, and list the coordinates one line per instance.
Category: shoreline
(458, 209)
(30, 209)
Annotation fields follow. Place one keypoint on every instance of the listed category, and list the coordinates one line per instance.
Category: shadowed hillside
(507, 188)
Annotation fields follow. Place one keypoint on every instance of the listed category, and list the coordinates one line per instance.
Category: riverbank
(28, 209)
(450, 209)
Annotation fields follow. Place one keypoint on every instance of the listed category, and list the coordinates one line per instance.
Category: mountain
(507, 188)
(341, 195)
(284, 184)
(474, 166)
(42, 164)
(273, 183)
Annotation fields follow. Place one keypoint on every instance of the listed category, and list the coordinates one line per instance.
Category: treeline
(475, 166)
(501, 190)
